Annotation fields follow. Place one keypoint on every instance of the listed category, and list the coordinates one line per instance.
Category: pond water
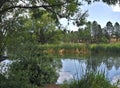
(73, 68)
(4, 65)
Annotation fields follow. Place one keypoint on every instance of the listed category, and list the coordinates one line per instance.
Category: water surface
(73, 68)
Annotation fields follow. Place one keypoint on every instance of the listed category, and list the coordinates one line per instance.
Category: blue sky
(103, 13)
(100, 12)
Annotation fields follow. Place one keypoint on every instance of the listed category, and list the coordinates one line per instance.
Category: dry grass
(51, 86)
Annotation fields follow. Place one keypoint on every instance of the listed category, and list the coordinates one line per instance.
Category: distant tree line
(93, 33)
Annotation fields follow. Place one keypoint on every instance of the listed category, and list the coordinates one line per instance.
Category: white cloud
(64, 76)
(116, 8)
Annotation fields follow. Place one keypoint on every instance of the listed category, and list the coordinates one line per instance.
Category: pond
(74, 68)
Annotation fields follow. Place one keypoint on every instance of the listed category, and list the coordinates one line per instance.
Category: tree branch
(29, 7)
(2, 2)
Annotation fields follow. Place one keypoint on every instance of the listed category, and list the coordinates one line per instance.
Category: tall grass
(77, 48)
(64, 48)
(106, 48)
(90, 80)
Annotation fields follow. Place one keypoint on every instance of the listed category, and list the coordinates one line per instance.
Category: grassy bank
(67, 48)
(106, 48)
(77, 48)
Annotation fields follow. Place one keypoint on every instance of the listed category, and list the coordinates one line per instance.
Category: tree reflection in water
(109, 65)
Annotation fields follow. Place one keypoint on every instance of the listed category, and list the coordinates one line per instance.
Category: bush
(29, 73)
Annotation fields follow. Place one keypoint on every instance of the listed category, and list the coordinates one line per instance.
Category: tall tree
(106, 34)
(100, 33)
(117, 30)
(96, 31)
(44, 27)
(87, 32)
(110, 28)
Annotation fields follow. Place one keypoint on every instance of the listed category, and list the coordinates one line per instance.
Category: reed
(71, 48)
(77, 48)
(90, 80)
(105, 48)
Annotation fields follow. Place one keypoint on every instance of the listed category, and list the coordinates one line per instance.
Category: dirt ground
(52, 86)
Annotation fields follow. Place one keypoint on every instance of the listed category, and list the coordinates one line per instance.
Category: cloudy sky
(103, 13)
(100, 12)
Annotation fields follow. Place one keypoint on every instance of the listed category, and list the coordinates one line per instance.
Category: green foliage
(30, 68)
(57, 9)
(29, 73)
(2, 81)
(42, 18)
(45, 30)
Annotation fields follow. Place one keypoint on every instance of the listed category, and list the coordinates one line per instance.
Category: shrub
(29, 73)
